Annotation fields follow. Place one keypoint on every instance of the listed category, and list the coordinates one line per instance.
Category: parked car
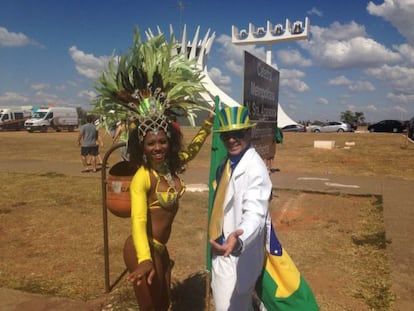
(391, 126)
(332, 127)
(294, 128)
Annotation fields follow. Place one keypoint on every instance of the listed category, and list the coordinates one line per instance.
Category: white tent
(282, 118)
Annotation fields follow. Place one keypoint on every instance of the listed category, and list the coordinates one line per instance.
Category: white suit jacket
(245, 207)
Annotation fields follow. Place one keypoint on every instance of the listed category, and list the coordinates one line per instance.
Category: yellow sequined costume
(139, 188)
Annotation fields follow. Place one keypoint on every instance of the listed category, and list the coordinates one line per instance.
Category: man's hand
(231, 244)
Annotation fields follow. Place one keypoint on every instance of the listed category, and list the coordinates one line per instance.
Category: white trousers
(226, 292)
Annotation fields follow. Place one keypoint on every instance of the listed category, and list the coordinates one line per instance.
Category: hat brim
(236, 127)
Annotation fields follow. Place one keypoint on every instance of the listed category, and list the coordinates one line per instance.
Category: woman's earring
(144, 158)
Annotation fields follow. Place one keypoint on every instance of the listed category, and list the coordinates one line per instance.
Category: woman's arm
(198, 141)
(139, 187)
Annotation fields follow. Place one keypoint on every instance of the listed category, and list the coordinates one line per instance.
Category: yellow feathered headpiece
(151, 83)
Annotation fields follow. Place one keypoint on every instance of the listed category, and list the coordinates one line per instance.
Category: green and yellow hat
(234, 119)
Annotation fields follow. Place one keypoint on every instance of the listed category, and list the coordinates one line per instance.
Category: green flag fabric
(218, 154)
(281, 287)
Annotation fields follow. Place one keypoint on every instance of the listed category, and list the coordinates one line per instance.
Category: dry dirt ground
(335, 241)
(51, 241)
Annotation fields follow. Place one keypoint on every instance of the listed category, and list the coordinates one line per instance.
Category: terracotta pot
(118, 199)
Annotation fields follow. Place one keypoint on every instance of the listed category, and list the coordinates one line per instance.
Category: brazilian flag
(218, 154)
(281, 287)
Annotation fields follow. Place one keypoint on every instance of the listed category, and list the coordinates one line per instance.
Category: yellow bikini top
(168, 198)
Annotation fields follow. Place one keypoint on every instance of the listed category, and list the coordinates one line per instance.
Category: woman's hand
(210, 116)
(144, 270)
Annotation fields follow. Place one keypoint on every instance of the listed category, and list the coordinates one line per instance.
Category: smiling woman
(148, 89)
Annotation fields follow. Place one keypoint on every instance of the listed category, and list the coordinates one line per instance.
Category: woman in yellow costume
(153, 84)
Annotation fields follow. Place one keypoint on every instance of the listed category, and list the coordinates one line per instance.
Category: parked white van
(13, 118)
(57, 118)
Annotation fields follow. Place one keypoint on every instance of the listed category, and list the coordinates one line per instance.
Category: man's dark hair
(89, 118)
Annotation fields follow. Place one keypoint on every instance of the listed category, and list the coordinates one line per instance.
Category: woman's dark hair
(175, 141)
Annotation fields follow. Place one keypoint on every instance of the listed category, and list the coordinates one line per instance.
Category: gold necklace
(165, 172)
(169, 179)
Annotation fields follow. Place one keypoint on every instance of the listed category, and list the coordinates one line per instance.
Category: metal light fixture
(278, 31)
(243, 34)
(261, 31)
(297, 28)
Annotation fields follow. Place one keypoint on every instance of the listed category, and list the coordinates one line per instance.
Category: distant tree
(352, 118)
(360, 117)
(81, 114)
(317, 122)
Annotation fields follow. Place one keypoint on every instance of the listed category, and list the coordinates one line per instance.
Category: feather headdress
(151, 83)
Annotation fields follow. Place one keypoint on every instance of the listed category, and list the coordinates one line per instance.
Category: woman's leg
(142, 292)
(154, 297)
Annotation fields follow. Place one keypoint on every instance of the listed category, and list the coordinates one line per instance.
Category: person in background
(99, 143)
(237, 223)
(87, 138)
(122, 135)
(277, 138)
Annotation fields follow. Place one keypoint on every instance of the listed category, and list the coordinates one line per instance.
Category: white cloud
(400, 78)
(216, 75)
(87, 94)
(40, 86)
(43, 97)
(399, 109)
(337, 32)
(222, 81)
(88, 65)
(403, 99)
(361, 86)
(315, 11)
(341, 80)
(295, 85)
(292, 57)
(399, 13)
(371, 108)
(322, 101)
(291, 79)
(233, 54)
(13, 39)
(291, 74)
(354, 86)
(11, 99)
(344, 46)
(407, 51)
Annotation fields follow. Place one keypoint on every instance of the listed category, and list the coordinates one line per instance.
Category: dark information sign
(261, 97)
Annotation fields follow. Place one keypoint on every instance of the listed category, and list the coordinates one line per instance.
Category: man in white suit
(238, 241)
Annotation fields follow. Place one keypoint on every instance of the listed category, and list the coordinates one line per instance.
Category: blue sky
(360, 55)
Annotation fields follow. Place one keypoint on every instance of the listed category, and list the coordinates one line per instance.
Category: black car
(410, 128)
(294, 128)
(391, 126)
